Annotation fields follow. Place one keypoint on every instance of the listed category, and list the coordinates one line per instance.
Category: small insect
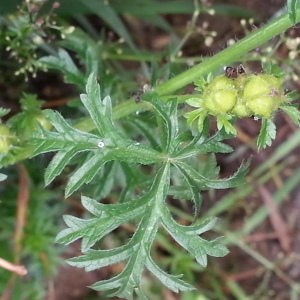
(140, 92)
(138, 95)
(231, 72)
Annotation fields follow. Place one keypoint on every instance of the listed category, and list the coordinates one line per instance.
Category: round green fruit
(256, 86)
(220, 102)
(241, 110)
(262, 106)
(274, 82)
(221, 83)
(263, 85)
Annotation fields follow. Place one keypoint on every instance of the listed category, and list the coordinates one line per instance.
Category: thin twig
(17, 269)
(22, 207)
(277, 221)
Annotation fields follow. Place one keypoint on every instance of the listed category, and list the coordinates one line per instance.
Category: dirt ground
(70, 284)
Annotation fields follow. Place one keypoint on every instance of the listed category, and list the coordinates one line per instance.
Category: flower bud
(241, 110)
(221, 83)
(241, 96)
(220, 102)
(262, 106)
(263, 94)
(220, 95)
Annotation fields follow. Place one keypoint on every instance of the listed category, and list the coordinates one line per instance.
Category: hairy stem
(228, 55)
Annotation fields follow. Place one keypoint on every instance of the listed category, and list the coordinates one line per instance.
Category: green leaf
(86, 48)
(209, 167)
(194, 114)
(199, 146)
(106, 180)
(188, 189)
(141, 9)
(172, 282)
(106, 12)
(272, 69)
(206, 225)
(58, 163)
(196, 246)
(65, 64)
(292, 112)
(293, 95)
(2, 177)
(223, 121)
(202, 121)
(194, 102)
(140, 294)
(26, 121)
(168, 114)
(85, 173)
(267, 134)
(199, 113)
(99, 110)
(101, 114)
(4, 112)
(30, 103)
(181, 192)
(291, 6)
(109, 145)
(201, 82)
(137, 250)
(147, 130)
(67, 140)
(108, 217)
(204, 183)
(127, 282)
(194, 191)
(96, 259)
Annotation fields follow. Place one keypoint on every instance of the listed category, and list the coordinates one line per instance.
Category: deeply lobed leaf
(267, 134)
(176, 153)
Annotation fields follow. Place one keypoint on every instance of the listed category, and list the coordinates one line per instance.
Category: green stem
(225, 57)
(228, 55)
(189, 32)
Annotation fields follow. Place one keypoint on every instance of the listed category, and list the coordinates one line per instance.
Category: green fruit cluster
(247, 95)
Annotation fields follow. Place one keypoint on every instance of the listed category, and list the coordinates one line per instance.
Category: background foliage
(132, 161)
